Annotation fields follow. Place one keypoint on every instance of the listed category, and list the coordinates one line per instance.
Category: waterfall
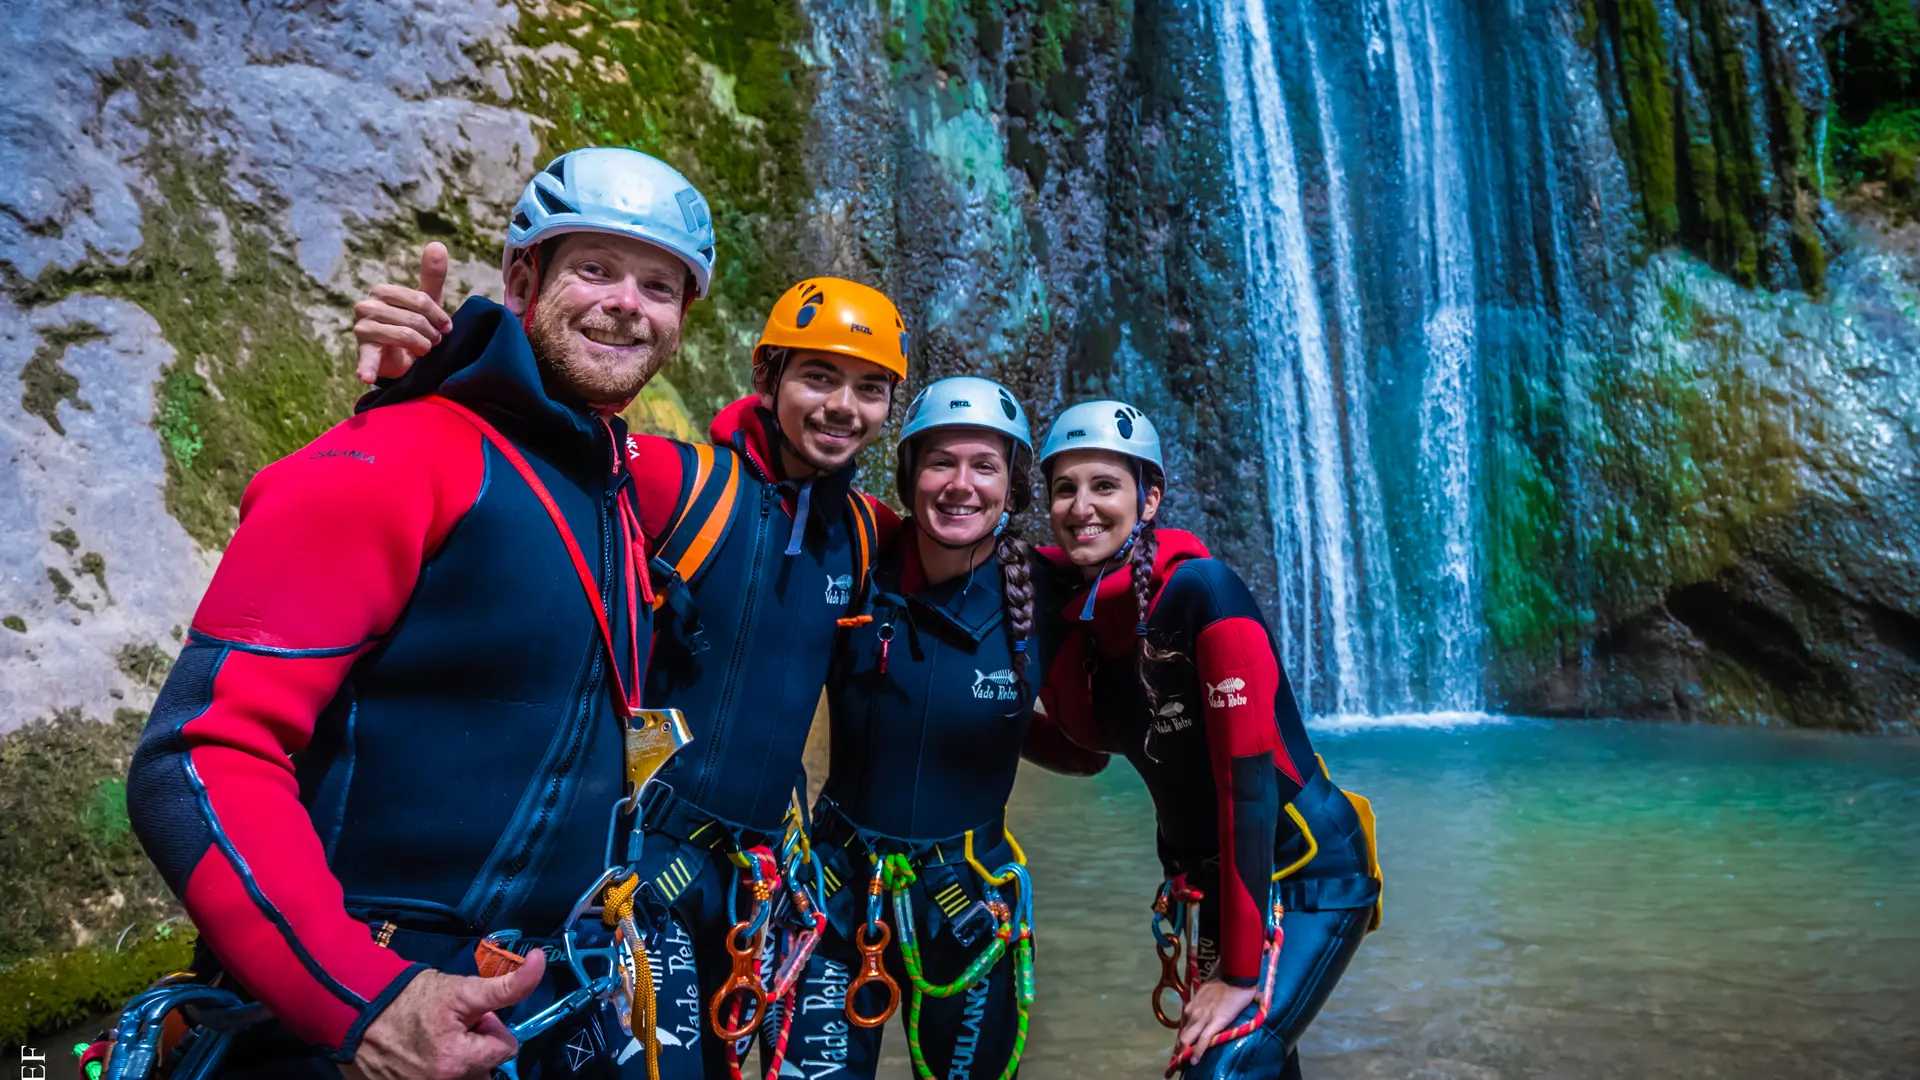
(1345, 639)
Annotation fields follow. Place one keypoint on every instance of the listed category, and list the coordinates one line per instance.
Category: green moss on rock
(720, 93)
(1708, 176)
(14, 623)
(47, 384)
(144, 662)
(251, 380)
(66, 538)
(70, 868)
(45, 994)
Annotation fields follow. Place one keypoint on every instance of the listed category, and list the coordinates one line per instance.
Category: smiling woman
(1174, 667)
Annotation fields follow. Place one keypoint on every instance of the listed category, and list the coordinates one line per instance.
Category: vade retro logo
(1000, 685)
(839, 589)
(1172, 717)
(1227, 694)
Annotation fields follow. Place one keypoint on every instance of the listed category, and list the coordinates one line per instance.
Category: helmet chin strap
(1126, 549)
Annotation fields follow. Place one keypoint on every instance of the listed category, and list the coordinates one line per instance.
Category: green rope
(899, 875)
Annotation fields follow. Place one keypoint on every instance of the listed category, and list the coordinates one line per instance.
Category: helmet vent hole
(557, 168)
(706, 253)
(553, 203)
(520, 221)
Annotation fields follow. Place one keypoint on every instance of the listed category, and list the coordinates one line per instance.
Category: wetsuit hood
(487, 364)
(752, 430)
(748, 426)
(1115, 613)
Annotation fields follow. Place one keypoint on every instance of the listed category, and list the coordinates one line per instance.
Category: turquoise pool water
(1570, 900)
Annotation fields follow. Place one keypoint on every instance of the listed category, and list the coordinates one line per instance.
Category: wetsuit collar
(968, 604)
(1115, 613)
(486, 363)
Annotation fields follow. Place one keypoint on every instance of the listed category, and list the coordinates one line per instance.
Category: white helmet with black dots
(607, 189)
(1104, 425)
(967, 401)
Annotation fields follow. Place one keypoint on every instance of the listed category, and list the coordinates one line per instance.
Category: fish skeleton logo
(839, 589)
(1172, 717)
(1000, 685)
(1227, 694)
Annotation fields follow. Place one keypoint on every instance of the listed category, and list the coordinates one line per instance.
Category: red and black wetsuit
(393, 726)
(1222, 748)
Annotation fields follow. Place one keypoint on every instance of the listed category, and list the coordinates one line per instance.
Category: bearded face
(607, 317)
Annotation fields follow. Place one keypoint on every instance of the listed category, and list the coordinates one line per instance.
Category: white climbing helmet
(608, 189)
(1104, 425)
(967, 401)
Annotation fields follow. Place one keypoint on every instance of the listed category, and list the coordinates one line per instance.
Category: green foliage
(14, 623)
(47, 384)
(1876, 57)
(717, 91)
(69, 864)
(44, 994)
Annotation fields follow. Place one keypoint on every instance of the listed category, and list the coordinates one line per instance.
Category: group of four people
(396, 734)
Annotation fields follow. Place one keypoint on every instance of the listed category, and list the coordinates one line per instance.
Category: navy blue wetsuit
(767, 605)
(929, 715)
(393, 727)
(1223, 750)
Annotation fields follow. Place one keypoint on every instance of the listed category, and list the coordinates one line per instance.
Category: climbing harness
(1269, 964)
(1013, 932)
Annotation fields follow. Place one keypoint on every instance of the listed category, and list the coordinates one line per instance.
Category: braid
(1016, 590)
(1141, 566)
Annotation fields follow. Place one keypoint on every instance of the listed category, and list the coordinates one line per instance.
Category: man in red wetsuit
(397, 723)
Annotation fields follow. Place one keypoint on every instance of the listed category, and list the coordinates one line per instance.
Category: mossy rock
(42, 995)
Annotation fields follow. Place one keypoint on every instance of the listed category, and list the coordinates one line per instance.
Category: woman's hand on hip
(1211, 1011)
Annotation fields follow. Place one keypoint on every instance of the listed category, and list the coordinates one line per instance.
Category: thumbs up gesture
(443, 1027)
(396, 324)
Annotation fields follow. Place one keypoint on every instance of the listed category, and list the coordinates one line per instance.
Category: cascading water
(1344, 633)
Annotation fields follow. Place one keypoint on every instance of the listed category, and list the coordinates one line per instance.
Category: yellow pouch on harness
(1364, 809)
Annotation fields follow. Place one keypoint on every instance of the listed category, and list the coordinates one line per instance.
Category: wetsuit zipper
(723, 712)
(555, 780)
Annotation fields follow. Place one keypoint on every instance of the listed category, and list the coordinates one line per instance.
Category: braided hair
(1016, 593)
(1140, 567)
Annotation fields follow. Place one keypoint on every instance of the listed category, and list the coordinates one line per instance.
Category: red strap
(622, 701)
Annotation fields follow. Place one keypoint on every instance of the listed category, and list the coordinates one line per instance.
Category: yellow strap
(1313, 846)
(1018, 856)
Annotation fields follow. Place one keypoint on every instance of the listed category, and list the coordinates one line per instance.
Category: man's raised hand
(396, 324)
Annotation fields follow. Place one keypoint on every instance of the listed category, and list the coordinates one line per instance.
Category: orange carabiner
(744, 980)
(872, 970)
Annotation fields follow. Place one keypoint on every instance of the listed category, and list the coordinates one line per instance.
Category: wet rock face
(1683, 481)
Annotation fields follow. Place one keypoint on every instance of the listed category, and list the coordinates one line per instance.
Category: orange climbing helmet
(837, 316)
